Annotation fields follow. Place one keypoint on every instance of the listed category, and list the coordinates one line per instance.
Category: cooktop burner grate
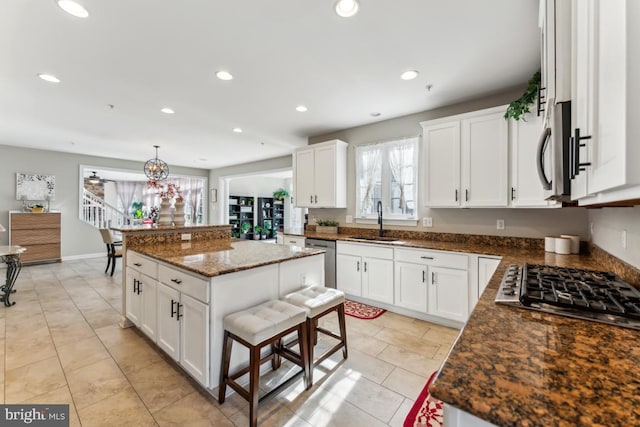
(584, 290)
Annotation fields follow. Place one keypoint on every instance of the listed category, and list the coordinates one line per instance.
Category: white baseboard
(84, 256)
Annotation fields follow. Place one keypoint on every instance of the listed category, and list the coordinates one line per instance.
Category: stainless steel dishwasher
(329, 259)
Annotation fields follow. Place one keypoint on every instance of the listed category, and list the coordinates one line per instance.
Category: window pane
(402, 177)
(369, 178)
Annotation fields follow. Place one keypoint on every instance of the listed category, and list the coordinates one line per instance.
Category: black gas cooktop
(586, 294)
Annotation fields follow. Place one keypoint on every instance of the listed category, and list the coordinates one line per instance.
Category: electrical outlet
(186, 236)
(500, 224)
(624, 239)
(427, 222)
(348, 219)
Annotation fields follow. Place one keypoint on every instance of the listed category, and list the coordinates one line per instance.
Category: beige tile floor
(61, 343)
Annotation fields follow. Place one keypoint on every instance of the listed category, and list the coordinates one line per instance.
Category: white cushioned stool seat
(264, 321)
(315, 299)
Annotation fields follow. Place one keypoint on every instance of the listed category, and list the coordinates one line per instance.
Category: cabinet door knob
(172, 310)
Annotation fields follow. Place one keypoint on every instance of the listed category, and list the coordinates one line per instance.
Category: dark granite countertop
(517, 367)
(146, 228)
(221, 256)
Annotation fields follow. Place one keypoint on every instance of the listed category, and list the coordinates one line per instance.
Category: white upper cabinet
(320, 175)
(466, 160)
(441, 144)
(605, 108)
(526, 190)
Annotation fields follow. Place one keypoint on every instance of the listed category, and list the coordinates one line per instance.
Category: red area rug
(426, 411)
(362, 311)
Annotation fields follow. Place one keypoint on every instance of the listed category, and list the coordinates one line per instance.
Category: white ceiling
(142, 55)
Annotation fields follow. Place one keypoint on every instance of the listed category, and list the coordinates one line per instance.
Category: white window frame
(386, 180)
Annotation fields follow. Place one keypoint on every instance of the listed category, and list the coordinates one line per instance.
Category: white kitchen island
(178, 292)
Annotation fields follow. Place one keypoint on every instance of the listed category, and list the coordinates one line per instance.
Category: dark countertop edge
(169, 228)
(219, 272)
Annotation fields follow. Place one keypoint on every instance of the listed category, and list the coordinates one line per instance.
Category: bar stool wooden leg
(224, 372)
(343, 329)
(254, 383)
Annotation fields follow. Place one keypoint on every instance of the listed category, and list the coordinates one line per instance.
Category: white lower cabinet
(449, 293)
(183, 322)
(348, 274)
(411, 286)
(141, 301)
(365, 270)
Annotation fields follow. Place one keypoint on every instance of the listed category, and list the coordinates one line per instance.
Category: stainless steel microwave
(553, 154)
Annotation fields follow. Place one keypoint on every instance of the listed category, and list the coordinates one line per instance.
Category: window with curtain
(387, 172)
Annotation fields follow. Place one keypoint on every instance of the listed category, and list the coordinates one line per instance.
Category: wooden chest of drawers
(38, 232)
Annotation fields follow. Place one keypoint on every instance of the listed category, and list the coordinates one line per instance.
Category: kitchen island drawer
(142, 264)
(187, 284)
(436, 258)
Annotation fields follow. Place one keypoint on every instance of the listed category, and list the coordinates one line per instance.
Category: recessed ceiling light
(224, 75)
(73, 8)
(409, 75)
(237, 130)
(301, 108)
(49, 78)
(346, 8)
(167, 110)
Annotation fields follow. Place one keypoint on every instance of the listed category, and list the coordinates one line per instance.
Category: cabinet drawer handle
(456, 195)
(358, 266)
(310, 199)
(316, 197)
(292, 241)
(139, 288)
(178, 305)
(176, 281)
(135, 286)
(513, 193)
(466, 195)
(424, 274)
(426, 257)
(365, 266)
(172, 304)
(137, 264)
(433, 278)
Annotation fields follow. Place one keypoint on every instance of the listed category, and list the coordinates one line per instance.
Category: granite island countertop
(221, 256)
(517, 367)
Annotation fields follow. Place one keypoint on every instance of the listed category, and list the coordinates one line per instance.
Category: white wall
(216, 176)
(256, 187)
(77, 237)
(608, 226)
(518, 222)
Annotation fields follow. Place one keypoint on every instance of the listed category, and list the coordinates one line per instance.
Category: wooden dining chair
(114, 249)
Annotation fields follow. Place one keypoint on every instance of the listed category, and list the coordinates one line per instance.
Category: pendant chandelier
(94, 178)
(156, 169)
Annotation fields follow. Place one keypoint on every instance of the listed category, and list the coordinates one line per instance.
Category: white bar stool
(319, 301)
(256, 327)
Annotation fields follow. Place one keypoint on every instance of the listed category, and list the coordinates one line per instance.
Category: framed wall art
(35, 186)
